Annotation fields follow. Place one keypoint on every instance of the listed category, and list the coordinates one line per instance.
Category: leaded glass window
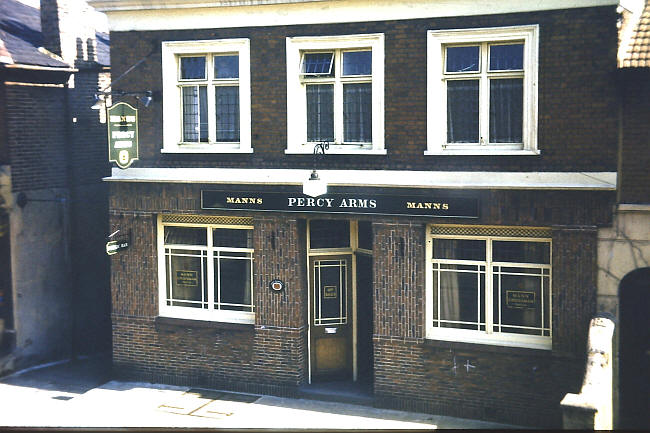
(203, 79)
(338, 89)
(485, 93)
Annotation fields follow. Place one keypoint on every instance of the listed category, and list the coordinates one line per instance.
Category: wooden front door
(331, 317)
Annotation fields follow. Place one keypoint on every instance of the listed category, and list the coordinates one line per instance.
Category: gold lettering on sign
(520, 299)
(427, 205)
(244, 200)
(187, 278)
(330, 292)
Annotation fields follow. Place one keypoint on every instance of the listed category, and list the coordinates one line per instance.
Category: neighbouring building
(469, 152)
(54, 297)
(624, 248)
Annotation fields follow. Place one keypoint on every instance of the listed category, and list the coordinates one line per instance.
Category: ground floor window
(489, 285)
(206, 268)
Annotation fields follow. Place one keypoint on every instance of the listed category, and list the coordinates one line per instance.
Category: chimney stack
(68, 30)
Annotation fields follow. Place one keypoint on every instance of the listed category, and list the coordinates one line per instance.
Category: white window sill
(477, 337)
(205, 149)
(484, 151)
(223, 316)
(308, 150)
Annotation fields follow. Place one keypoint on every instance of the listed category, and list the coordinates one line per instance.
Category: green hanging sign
(122, 134)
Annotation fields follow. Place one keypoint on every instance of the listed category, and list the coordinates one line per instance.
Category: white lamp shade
(314, 187)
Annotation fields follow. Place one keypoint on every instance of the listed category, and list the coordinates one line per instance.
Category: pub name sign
(377, 204)
(122, 134)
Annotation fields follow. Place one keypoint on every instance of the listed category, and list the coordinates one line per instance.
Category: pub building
(396, 197)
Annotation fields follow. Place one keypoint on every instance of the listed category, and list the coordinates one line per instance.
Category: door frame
(350, 251)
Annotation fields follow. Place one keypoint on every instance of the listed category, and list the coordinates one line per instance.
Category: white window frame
(172, 51)
(190, 313)
(437, 41)
(297, 100)
(487, 336)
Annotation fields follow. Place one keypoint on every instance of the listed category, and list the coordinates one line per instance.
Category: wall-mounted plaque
(276, 285)
(520, 299)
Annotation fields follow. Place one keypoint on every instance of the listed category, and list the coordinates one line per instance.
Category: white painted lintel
(602, 181)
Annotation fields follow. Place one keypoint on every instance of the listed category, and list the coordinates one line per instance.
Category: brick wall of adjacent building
(35, 118)
(634, 172)
(576, 128)
(411, 372)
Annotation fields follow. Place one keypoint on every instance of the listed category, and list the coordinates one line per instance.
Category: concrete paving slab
(56, 397)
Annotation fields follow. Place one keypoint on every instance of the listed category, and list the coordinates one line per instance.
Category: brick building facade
(54, 299)
(465, 262)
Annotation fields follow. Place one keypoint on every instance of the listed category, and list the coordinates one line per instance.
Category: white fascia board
(603, 181)
(144, 15)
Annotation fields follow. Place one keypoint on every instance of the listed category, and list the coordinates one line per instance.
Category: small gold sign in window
(519, 299)
(187, 278)
(330, 292)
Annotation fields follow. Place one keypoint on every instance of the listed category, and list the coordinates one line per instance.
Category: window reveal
(471, 73)
(482, 90)
(490, 286)
(208, 268)
(194, 81)
(338, 86)
(206, 92)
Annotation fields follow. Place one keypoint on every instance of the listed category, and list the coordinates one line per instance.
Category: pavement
(80, 393)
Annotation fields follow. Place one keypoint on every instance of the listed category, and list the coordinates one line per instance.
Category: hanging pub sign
(378, 204)
(122, 134)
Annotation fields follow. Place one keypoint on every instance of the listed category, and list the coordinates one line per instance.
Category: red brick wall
(634, 174)
(577, 98)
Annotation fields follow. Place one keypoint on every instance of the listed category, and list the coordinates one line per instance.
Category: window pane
(185, 236)
(330, 292)
(232, 238)
(462, 111)
(317, 63)
(226, 66)
(461, 298)
(357, 63)
(227, 101)
(234, 284)
(506, 110)
(320, 112)
(459, 249)
(462, 59)
(195, 114)
(357, 113)
(329, 234)
(521, 252)
(186, 280)
(506, 57)
(192, 68)
(521, 302)
(365, 235)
